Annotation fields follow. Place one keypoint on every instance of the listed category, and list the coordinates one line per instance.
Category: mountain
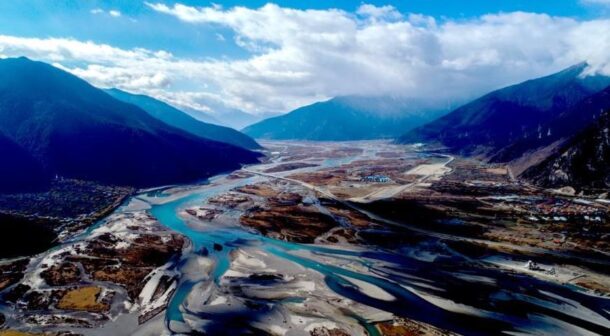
(201, 116)
(582, 162)
(176, 118)
(552, 135)
(75, 130)
(226, 116)
(347, 118)
(517, 114)
(237, 119)
(19, 170)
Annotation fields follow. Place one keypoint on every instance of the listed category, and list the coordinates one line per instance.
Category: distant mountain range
(348, 118)
(225, 116)
(201, 116)
(552, 130)
(62, 125)
(179, 119)
(239, 119)
(517, 113)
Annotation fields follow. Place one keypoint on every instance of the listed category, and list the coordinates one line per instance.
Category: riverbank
(283, 253)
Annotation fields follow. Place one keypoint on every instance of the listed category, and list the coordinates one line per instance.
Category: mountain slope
(75, 130)
(19, 170)
(346, 118)
(174, 117)
(582, 162)
(503, 117)
(554, 133)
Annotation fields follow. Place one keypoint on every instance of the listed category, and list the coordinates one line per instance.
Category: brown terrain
(12, 272)
(471, 207)
(406, 327)
(91, 275)
(483, 203)
(285, 216)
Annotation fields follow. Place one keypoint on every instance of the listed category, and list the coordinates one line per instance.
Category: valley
(312, 168)
(328, 238)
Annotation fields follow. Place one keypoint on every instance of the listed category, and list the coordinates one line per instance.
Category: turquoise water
(173, 312)
(168, 214)
(503, 313)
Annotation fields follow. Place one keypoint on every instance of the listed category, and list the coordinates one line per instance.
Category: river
(470, 299)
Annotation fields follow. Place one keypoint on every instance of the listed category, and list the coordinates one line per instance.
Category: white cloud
(200, 100)
(383, 12)
(126, 78)
(113, 12)
(379, 51)
(300, 56)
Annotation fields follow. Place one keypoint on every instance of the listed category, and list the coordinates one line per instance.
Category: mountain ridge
(182, 120)
(582, 162)
(496, 120)
(559, 130)
(75, 130)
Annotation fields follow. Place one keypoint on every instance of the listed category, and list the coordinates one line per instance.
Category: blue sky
(141, 26)
(278, 56)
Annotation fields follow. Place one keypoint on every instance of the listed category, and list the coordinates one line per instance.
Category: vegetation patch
(84, 298)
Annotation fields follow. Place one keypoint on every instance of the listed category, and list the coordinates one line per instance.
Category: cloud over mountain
(298, 56)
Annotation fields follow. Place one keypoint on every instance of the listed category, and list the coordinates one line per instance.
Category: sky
(271, 57)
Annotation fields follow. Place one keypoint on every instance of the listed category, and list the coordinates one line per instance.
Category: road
(498, 245)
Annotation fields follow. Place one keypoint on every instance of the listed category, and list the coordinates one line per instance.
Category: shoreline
(222, 264)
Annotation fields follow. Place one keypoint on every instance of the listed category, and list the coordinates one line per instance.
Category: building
(376, 179)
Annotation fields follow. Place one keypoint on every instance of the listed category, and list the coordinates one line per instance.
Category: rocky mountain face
(553, 134)
(582, 162)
